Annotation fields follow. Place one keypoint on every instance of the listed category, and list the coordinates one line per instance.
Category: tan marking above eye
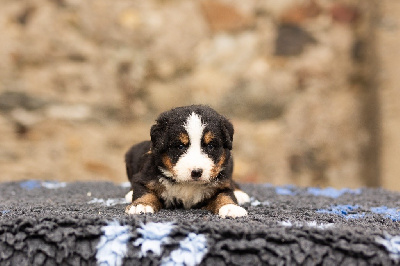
(184, 138)
(208, 137)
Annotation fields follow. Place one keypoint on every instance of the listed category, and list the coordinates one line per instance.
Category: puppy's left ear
(227, 132)
(158, 135)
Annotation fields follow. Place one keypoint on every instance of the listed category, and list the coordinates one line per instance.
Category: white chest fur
(188, 193)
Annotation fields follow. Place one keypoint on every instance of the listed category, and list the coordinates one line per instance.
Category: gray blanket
(47, 223)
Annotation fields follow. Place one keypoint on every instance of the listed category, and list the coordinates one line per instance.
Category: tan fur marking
(221, 200)
(218, 167)
(184, 138)
(208, 137)
(155, 187)
(168, 163)
(150, 200)
(227, 184)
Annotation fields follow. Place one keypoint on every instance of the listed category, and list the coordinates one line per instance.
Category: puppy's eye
(181, 147)
(210, 146)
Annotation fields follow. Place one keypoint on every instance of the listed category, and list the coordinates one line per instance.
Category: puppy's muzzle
(196, 173)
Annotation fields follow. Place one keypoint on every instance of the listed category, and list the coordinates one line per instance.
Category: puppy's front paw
(138, 209)
(231, 210)
(241, 197)
(128, 197)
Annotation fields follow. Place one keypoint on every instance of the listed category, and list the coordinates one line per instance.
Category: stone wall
(388, 43)
(80, 81)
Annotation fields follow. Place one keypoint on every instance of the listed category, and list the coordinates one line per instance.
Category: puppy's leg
(241, 196)
(143, 201)
(225, 205)
(148, 203)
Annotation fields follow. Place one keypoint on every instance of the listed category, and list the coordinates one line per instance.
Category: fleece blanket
(48, 223)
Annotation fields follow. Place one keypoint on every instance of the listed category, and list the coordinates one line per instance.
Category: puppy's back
(134, 157)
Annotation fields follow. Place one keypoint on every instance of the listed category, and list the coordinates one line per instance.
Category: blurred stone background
(311, 86)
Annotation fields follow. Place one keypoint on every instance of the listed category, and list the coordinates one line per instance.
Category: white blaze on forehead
(194, 127)
(194, 158)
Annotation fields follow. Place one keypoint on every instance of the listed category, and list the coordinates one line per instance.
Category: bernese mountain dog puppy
(187, 164)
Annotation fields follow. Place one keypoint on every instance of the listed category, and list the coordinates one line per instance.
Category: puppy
(187, 164)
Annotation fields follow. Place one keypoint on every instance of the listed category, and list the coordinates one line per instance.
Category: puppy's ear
(158, 135)
(227, 133)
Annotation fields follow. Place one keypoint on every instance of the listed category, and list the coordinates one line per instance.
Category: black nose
(196, 173)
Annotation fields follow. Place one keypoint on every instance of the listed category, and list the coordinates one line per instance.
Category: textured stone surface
(82, 81)
(388, 32)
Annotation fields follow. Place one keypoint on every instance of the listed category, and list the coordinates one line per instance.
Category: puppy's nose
(196, 173)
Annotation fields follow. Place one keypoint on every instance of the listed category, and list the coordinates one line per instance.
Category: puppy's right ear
(158, 135)
(227, 130)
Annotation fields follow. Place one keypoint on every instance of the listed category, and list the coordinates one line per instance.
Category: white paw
(241, 197)
(231, 210)
(128, 197)
(139, 209)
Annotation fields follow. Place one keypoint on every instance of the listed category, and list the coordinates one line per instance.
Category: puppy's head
(192, 144)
